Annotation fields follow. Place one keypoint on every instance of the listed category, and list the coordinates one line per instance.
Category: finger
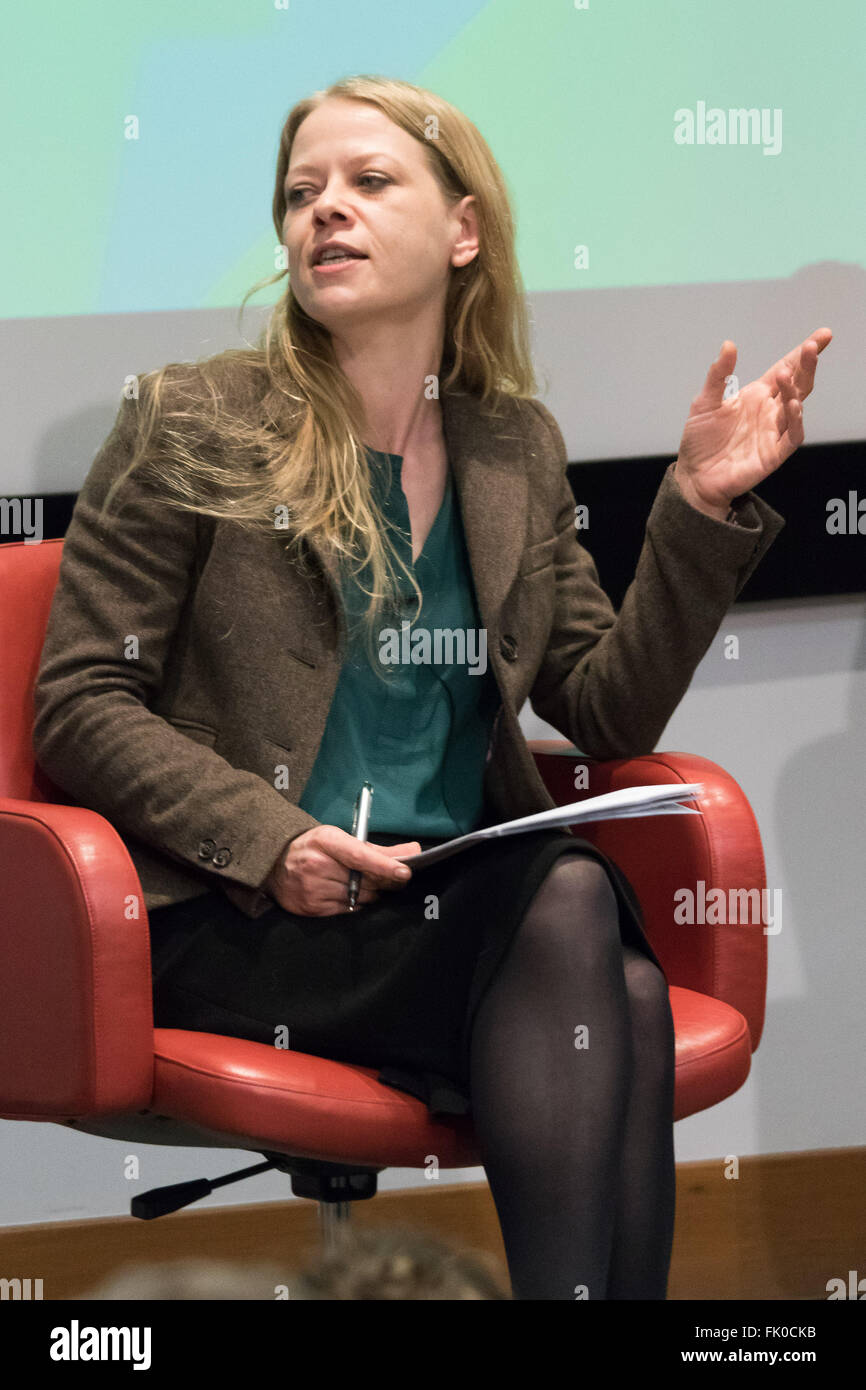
(801, 361)
(822, 337)
(392, 875)
(364, 898)
(392, 887)
(337, 889)
(340, 878)
(407, 850)
(786, 394)
(379, 883)
(713, 392)
(349, 853)
(794, 433)
(811, 350)
(337, 901)
(402, 853)
(789, 423)
(337, 872)
(803, 375)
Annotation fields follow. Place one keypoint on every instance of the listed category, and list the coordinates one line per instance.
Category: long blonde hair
(279, 427)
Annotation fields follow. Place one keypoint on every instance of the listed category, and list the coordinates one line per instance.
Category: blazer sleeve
(125, 579)
(610, 682)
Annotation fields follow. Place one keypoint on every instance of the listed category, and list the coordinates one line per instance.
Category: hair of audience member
(384, 1264)
(399, 1264)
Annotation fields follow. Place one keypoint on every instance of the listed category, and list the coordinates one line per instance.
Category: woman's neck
(392, 375)
(407, 436)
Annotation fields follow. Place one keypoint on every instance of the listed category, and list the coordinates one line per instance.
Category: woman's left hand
(728, 446)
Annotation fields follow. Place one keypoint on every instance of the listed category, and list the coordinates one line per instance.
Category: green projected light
(642, 144)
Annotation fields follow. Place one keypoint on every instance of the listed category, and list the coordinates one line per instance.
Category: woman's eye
(295, 192)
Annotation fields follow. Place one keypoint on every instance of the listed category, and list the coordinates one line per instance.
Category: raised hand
(729, 446)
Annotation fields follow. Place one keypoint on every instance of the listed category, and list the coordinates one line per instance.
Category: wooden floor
(782, 1229)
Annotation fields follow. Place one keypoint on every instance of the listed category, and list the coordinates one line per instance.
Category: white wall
(788, 721)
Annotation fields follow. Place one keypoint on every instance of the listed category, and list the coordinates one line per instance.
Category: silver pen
(360, 822)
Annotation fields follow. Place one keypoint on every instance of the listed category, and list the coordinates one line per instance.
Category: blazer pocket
(269, 756)
(272, 743)
(195, 730)
(537, 557)
(299, 656)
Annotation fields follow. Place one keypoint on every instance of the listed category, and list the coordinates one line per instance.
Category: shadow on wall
(818, 1033)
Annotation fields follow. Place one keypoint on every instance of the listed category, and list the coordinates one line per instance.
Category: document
(625, 802)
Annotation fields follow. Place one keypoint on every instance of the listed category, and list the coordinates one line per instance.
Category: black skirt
(394, 985)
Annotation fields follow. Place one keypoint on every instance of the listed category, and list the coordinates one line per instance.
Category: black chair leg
(333, 1186)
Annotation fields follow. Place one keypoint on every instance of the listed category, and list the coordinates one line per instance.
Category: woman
(387, 431)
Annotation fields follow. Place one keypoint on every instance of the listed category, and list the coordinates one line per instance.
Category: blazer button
(222, 857)
(206, 849)
(508, 647)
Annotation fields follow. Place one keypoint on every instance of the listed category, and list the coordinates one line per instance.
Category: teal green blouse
(420, 736)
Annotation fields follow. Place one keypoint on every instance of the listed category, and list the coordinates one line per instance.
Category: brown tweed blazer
(184, 745)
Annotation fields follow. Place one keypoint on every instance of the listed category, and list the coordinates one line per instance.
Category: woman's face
(356, 177)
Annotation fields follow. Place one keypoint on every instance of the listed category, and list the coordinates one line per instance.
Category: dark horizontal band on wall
(805, 560)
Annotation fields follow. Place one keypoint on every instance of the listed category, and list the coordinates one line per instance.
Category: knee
(579, 883)
(575, 912)
(647, 987)
(649, 1001)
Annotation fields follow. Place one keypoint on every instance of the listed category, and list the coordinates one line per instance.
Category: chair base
(333, 1186)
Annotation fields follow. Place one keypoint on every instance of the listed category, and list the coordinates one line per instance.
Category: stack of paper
(627, 801)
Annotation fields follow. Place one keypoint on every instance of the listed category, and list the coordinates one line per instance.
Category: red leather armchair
(78, 1043)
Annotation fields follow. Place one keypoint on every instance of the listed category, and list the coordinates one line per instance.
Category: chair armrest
(662, 854)
(75, 988)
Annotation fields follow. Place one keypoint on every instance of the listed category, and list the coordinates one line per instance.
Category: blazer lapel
(492, 486)
(490, 476)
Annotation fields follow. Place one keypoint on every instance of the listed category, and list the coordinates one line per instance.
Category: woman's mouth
(335, 263)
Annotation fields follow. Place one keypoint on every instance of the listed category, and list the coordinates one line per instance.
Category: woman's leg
(553, 1054)
(644, 1228)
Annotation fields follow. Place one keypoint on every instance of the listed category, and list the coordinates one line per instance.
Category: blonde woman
(220, 675)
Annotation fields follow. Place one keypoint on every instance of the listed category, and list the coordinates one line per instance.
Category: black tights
(577, 1141)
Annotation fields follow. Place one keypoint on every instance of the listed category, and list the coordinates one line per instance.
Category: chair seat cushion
(713, 1050)
(264, 1095)
(261, 1094)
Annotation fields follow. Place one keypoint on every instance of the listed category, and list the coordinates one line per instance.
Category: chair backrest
(28, 578)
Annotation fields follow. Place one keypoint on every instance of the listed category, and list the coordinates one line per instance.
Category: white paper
(617, 805)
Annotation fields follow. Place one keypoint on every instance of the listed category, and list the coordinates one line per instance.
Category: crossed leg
(572, 1075)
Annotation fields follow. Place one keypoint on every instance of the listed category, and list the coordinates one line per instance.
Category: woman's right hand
(311, 877)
